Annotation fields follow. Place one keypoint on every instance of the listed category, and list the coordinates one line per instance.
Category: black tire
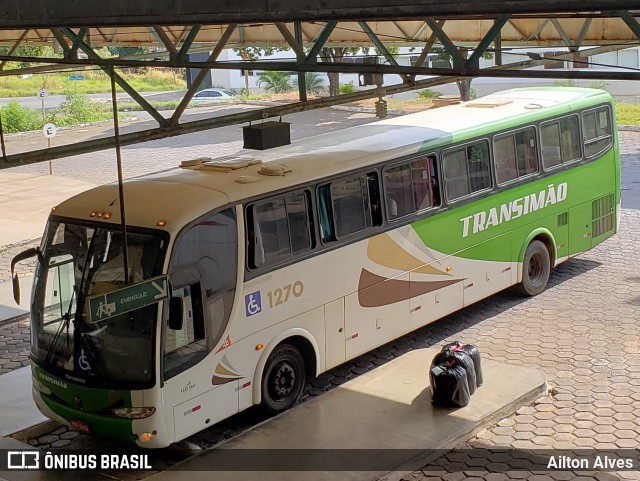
(283, 379)
(536, 267)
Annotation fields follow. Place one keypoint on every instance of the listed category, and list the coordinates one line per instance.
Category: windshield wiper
(64, 323)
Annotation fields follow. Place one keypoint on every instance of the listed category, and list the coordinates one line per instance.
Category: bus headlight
(134, 413)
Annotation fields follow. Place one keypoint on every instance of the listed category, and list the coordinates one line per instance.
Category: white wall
(624, 90)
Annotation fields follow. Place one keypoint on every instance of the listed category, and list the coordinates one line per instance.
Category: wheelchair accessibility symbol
(253, 303)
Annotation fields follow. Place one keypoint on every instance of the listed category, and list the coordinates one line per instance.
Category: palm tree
(276, 82)
(313, 81)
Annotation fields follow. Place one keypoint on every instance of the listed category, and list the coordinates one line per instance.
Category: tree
(335, 54)
(251, 54)
(313, 81)
(276, 82)
(27, 51)
(464, 85)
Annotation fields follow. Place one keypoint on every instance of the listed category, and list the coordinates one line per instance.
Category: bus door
(200, 381)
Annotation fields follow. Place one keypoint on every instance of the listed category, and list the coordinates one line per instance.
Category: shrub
(275, 82)
(78, 109)
(347, 88)
(314, 82)
(17, 118)
(428, 94)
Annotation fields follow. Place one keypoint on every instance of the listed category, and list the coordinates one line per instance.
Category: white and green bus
(248, 273)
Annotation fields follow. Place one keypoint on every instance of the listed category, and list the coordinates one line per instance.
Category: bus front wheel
(536, 267)
(283, 379)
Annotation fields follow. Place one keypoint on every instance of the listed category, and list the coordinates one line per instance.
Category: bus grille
(602, 214)
(562, 219)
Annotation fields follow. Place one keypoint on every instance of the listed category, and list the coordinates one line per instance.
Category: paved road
(582, 332)
(54, 101)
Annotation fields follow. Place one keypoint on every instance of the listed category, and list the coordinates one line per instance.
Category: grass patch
(94, 82)
(627, 114)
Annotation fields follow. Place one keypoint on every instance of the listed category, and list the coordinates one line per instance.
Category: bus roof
(184, 193)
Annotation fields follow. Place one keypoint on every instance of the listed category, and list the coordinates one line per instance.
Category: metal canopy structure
(518, 30)
(68, 13)
(464, 30)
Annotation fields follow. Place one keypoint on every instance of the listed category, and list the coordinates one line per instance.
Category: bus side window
(516, 155)
(560, 142)
(597, 131)
(466, 169)
(279, 228)
(186, 346)
(411, 187)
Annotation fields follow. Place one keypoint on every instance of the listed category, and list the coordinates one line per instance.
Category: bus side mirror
(34, 251)
(176, 313)
(16, 288)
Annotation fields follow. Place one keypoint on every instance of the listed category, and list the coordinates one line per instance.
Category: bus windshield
(79, 262)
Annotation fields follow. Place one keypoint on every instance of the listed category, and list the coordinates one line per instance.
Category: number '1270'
(280, 296)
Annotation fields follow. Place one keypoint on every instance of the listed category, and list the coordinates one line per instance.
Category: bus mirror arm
(176, 313)
(34, 251)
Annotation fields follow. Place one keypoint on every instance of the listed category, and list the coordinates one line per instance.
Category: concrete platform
(27, 200)
(19, 411)
(8, 308)
(388, 409)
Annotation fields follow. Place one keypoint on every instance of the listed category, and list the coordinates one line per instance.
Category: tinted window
(560, 142)
(466, 170)
(348, 206)
(411, 187)
(281, 228)
(516, 155)
(597, 131)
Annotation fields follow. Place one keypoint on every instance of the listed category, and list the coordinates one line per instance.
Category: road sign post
(42, 95)
(49, 131)
(105, 306)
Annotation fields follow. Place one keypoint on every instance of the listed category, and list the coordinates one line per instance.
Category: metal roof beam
(498, 23)
(119, 80)
(429, 45)
(182, 106)
(381, 48)
(631, 22)
(583, 31)
(191, 36)
(538, 30)
(73, 51)
(62, 41)
(302, 81)
(319, 41)
(563, 35)
(290, 39)
(35, 14)
(446, 42)
(14, 47)
(165, 40)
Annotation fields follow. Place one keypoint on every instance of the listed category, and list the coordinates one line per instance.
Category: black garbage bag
(449, 385)
(473, 352)
(464, 360)
(448, 379)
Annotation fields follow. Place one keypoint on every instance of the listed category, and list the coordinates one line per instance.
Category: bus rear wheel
(536, 267)
(283, 379)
